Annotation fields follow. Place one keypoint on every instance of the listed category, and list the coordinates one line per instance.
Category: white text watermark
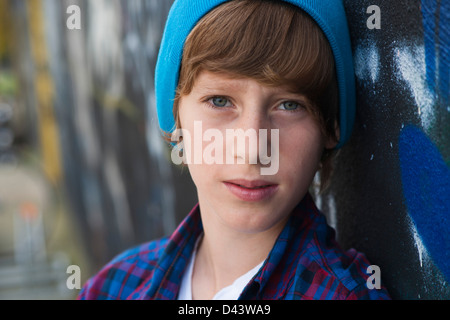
(228, 148)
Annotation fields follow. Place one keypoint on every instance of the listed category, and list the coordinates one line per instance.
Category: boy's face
(234, 194)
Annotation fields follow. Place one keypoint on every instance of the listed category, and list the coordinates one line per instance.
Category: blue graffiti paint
(444, 50)
(429, 8)
(426, 188)
(437, 46)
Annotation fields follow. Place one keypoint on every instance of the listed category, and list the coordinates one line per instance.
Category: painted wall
(390, 196)
(118, 175)
(95, 90)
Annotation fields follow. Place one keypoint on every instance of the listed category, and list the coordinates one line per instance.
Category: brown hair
(274, 43)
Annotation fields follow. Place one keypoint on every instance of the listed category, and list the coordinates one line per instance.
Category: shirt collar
(305, 218)
(172, 264)
(175, 259)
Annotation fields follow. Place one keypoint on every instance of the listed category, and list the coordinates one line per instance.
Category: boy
(280, 67)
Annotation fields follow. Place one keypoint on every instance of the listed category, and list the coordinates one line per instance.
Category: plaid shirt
(304, 263)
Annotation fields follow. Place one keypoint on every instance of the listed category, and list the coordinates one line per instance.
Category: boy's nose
(254, 115)
(252, 133)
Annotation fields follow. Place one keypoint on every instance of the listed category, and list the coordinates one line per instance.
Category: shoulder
(326, 271)
(317, 268)
(125, 273)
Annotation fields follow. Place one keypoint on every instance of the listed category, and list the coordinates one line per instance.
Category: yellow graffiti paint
(4, 30)
(44, 90)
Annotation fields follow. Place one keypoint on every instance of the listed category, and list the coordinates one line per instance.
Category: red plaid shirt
(305, 263)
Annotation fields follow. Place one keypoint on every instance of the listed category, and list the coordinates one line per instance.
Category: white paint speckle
(371, 157)
(332, 212)
(419, 246)
(411, 67)
(421, 250)
(367, 62)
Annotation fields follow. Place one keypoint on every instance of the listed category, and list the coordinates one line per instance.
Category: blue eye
(219, 101)
(289, 105)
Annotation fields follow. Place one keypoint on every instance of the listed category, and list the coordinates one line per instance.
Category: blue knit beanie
(184, 15)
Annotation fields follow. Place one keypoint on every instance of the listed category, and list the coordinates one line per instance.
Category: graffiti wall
(121, 183)
(85, 74)
(390, 195)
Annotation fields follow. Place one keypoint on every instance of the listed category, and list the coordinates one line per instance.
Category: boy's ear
(331, 142)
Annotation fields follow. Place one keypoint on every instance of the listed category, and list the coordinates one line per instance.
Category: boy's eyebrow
(226, 85)
(219, 85)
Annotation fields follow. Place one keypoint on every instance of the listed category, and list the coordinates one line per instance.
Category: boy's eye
(289, 105)
(220, 101)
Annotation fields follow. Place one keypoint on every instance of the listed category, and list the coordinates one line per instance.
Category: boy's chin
(253, 219)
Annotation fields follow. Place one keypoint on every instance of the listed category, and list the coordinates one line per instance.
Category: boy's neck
(224, 255)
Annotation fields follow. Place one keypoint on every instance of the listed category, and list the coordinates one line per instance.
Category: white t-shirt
(231, 292)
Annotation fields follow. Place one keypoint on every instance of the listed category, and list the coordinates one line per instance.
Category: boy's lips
(251, 190)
